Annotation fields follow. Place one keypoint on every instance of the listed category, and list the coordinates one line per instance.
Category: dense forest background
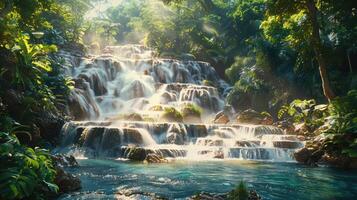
(270, 51)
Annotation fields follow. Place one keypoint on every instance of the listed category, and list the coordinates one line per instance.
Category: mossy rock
(137, 154)
(129, 117)
(170, 114)
(191, 113)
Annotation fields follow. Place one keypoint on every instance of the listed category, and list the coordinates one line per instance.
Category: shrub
(341, 130)
(239, 193)
(305, 111)
(25, 172)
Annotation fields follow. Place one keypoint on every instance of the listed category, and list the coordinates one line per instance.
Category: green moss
(172, 115)
(191, 110)
(208, 83)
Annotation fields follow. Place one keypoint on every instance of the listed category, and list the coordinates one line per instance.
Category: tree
(307, 13)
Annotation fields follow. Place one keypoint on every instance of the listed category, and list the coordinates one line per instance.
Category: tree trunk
(317, 46)
(349, 60)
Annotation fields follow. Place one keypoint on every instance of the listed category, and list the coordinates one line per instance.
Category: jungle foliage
(32, 82)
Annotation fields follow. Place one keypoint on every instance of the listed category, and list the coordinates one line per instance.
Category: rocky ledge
(314, 155)
(64, 180)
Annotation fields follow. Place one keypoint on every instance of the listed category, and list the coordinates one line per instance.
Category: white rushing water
(120, 99)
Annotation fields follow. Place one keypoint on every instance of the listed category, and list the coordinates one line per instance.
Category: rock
(175, 138)
(208, 196)
(301, 138)
(221, 118)
(191, 114)
(66, 181)
(49, 125)
(287, 144)
(253, 117)
(252, 195)
(218, 155)
(301, 129)
(64, 160)
(171, 115)
(128, 194)
(155, 158)
(302, 155)
(81, 105)
(339, 161)
(136, 154)
(287, 126)
(308, 156)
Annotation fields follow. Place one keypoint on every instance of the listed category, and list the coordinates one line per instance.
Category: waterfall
(120, 96)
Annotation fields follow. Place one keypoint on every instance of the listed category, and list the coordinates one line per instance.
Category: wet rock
(252, 195)
(340, 161)
(81, 105)
(221, 118)
(136, 154)
(191, 114)
(287, 144)
(218, 155)
(171, 115)
(208, 196)
(127, 194)
(64, 160)
(175, 138)
(302, 155)
(253, 117)
(198, 130)
(135, 89)
(49, 125)
(154, 158)
(287, 126)
(66, 181)
(308, 156)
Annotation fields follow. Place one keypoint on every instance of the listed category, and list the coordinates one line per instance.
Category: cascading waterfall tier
(120, 96)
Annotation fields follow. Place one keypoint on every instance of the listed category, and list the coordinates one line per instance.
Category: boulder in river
(64, 180)
(155, 158)
(64, 160)
(136, 153)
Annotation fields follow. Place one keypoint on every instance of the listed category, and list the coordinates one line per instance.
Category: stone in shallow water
(154, 158)
(136, 153)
